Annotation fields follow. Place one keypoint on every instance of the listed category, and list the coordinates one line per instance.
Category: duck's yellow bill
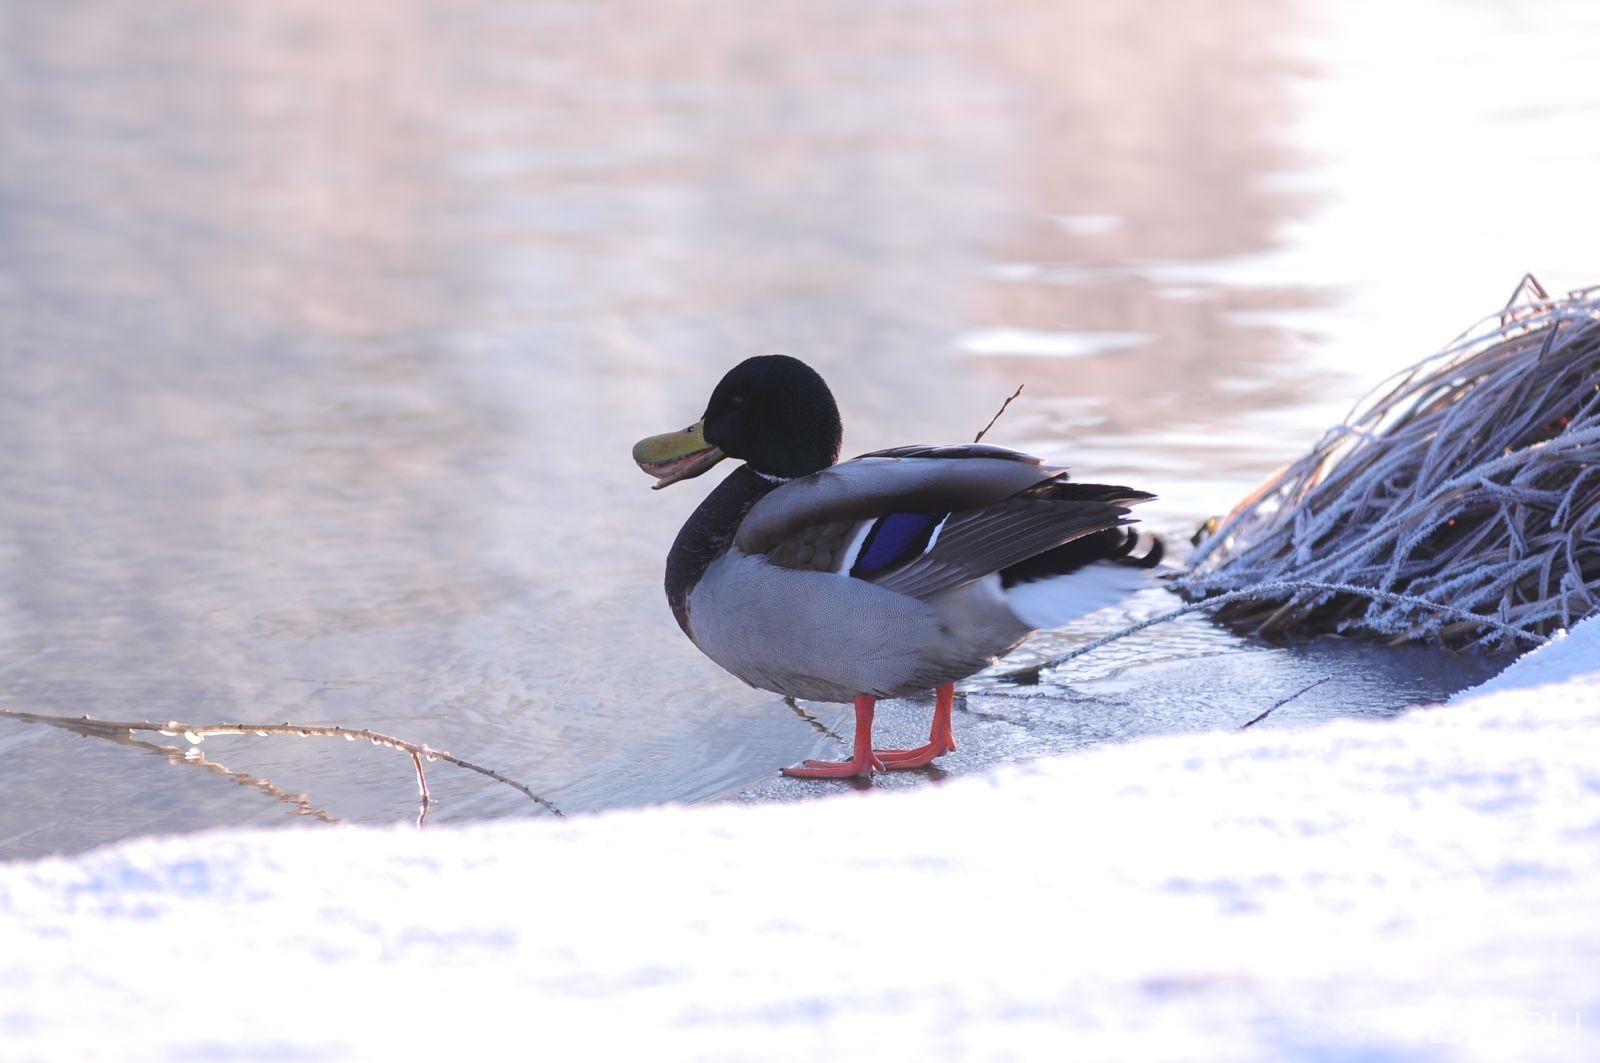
(674, 456)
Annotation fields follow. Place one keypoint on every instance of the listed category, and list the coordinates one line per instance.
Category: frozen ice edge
(1422, 887)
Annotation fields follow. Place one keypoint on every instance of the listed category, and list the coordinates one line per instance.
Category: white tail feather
(1058, 600)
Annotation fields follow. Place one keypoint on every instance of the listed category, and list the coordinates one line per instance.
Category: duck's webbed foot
(837, 769)
(940, 738)
(862, 764)
(904, 759)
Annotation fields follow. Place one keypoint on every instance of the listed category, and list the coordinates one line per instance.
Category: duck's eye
(738, 400)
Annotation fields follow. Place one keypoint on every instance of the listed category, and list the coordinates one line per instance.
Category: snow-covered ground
(1425, 887)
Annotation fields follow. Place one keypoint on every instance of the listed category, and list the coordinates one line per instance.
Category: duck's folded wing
(953, 450)
(971, 545)
(920, 524)
(907, 480)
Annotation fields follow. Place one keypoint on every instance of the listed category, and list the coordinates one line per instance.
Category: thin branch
(1281, 702)
(979, 437)
(192, 756)
(422, 779)
(194, 732)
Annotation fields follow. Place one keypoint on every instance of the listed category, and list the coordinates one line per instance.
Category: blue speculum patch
(894, 540)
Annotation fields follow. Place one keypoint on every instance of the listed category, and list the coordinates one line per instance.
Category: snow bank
(1422, 887)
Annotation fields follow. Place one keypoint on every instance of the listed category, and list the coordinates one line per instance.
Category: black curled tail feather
(1152, 547)
(1118, 546)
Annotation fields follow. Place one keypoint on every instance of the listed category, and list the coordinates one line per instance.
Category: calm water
(327, 329)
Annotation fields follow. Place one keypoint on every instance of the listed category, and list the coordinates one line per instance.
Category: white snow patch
(1424, 887)
(1553, 663)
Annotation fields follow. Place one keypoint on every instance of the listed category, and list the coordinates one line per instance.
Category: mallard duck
(892, 574)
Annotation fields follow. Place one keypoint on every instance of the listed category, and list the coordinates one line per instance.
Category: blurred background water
(327, 328)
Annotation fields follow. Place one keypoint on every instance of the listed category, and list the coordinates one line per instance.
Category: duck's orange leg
(941, 739)
(863, 763)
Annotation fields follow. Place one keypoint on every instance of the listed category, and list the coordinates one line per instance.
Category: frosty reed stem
(1268, 590)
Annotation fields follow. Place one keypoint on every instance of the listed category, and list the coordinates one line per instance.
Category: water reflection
(328, 328)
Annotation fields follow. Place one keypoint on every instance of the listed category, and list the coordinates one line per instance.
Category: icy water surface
(327, 329)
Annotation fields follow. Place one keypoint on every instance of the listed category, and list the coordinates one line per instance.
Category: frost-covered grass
(1471, 479)
(1425, 887)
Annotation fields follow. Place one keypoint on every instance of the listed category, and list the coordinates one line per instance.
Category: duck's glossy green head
(773, 412)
